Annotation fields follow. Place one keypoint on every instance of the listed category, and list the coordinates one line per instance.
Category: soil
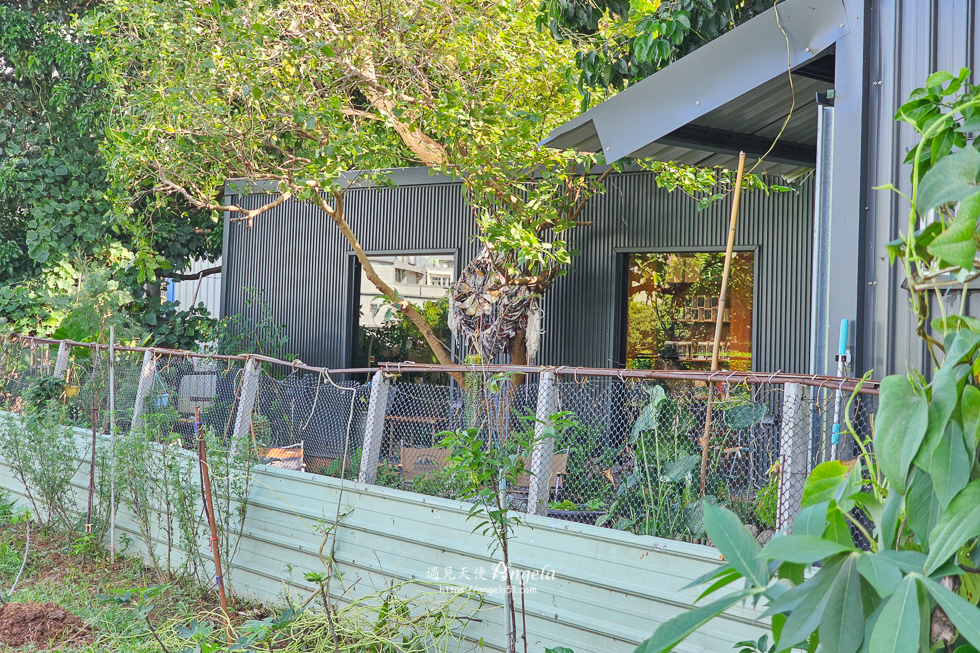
(41, 624)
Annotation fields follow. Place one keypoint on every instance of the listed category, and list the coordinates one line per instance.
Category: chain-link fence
(641, 451)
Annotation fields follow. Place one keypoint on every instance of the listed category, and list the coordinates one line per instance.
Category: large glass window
(672, 304)
(384, 333)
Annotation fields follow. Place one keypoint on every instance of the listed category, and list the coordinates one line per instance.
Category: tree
(55, 221)
(915, 589)
(299, 93)
(621, 42)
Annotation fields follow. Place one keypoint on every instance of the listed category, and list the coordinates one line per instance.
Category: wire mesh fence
(637, 451)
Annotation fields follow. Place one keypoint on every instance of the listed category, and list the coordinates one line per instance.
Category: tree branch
(196, 275)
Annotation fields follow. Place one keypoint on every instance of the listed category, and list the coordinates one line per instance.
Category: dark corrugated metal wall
(909, 41)
(297, 256)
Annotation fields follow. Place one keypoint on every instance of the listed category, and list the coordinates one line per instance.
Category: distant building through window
(672, 305)
(384, 334)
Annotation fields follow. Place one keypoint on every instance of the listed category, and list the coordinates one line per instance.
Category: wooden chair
(290, 457)
(416, 462)
(559, 467)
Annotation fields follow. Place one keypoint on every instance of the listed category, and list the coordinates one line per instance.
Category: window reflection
(672, 306)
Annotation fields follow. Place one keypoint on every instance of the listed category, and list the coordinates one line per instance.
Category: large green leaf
(809, 611)
(903, 418)
(672, 632)
(888, 526)
(953, 179)
(970, 417)
(964, 343)
(841, 627)
(811, 520)
(959, 523)
(735, 543)
(949, 465)
(676, 470)
(922, 506)
(838, 529)
(941, 405)
(883, 574)
(964, 615)
(805, 549)
(820, 582)
(957, 245)
(897, 630)
(831, 481)
(744, 416)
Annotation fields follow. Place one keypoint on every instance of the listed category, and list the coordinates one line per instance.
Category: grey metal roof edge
(416, 176)
(718, 72)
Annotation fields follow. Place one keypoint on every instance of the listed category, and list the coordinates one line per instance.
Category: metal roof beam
(726, 142)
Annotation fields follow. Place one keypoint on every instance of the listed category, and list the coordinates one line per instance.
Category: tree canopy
(56, 224)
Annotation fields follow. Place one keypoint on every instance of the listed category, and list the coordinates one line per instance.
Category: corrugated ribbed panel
(298, 257)
(207, 290)
(910, 40)
(610, 589)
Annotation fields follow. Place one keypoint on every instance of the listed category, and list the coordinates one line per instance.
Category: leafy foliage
(621, 42)
(56, 224)
(914, 499)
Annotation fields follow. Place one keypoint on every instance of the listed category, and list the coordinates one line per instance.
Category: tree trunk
(336, 213)
(518, 355)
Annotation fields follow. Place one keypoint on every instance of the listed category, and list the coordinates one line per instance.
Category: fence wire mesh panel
(638, 455)
(643, 455)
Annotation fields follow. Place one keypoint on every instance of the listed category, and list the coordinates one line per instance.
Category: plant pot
(71, 391)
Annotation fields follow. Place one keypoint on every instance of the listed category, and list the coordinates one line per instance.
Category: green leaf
(808, 613)
(811, 520)
(889, 519)
(957, 244)
(952, 179)
(744, 416)
(673, 632)
(939, 78)
(838, 530)
(970, 413)
(830, 481)
(805, 549)
(907, 561)
(903, 417)
(949, 466)
(723, 581)
(841, 627)
(735, 543)
(884, 575)
(964, 615)
(959, 523)
(922, 506)
(897, 630)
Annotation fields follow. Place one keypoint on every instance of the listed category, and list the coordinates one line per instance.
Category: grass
(54, 573)
(402, 617)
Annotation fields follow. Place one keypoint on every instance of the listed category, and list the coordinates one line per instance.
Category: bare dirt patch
(41, 624)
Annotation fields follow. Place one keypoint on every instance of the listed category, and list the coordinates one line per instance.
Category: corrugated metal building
(852, 64)
(823, 84)
(309, 273)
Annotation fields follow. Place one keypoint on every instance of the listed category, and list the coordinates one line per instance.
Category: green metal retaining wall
(610, 588)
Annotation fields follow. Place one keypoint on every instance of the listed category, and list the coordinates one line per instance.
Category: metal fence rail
(635, 450)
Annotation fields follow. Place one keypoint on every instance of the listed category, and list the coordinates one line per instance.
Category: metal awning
(731, 94)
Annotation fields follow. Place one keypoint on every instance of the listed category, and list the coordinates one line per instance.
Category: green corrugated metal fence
(609, 591)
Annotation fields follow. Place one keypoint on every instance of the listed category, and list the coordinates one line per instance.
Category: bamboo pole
(112, 442)
(209, 508)
(720, 317)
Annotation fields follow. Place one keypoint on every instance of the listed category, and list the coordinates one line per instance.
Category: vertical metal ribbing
(303, 263)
